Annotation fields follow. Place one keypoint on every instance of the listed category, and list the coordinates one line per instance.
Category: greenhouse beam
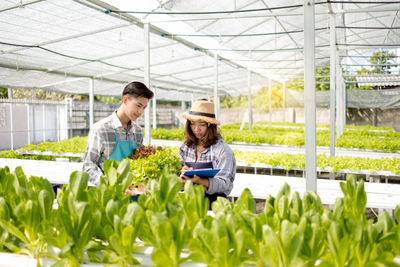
(216, 98)
(91, 102)
(332, 88)
(28, 126)
(44, 122)
(146, 32)
(284, 94)
(269, 102)
(154, 104)
(249, 99)
(309, 95)
(10, 96)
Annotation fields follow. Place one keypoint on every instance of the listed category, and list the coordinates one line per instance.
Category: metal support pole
(249, 99)
(44, 123)
(91, 103)
(34, 127)
(58, 122)
(216, 100)
(270, 102)
(10, 96)
(284, 94)
(309, 94)
(340, 103)
(332, 89)
(69, 100)
(28, 121)
(147, 130)
(154, 102)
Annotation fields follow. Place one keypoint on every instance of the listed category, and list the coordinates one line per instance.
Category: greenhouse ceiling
(62, 45)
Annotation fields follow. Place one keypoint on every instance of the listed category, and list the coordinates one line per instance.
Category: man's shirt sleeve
(91, 163)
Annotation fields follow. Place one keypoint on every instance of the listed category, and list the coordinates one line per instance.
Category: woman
(204, 148)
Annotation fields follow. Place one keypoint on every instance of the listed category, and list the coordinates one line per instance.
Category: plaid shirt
(101, 143)
(222, 157)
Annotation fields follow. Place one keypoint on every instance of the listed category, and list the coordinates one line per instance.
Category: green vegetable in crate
(151, 167)
(140, 153)
(145, 151)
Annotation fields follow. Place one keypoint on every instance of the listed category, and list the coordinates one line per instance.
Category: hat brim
(200, 118)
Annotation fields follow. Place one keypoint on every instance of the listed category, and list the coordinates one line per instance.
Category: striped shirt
(101, 143)
(222, 157)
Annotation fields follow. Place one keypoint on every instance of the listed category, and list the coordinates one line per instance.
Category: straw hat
(202, 111)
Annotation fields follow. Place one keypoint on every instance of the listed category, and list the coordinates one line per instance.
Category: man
(117, 136)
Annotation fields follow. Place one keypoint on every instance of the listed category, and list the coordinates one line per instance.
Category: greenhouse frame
(190, 50)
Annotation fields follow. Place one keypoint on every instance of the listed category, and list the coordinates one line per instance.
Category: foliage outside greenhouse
(289, 232)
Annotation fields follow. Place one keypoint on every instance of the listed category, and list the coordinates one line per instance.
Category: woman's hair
(211, 137)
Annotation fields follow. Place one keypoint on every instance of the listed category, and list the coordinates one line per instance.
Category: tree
(379, 59)
(323, 72)
(3, 92)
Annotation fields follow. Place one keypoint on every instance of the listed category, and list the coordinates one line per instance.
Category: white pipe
(58, 123)
(69, 100)
(339, 102)
(249, 99)
(216, 100)
(91, 103)
(147, 128)
(10, 96)
(154, 102)
(270, 101)
(332, 84)
(332, 88)
(309, 95)
(44, 123)
(28, 126)
(284, 94)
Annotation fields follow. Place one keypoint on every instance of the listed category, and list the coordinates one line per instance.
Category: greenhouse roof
(59, 45)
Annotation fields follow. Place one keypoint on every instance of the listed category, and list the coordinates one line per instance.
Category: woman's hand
(195, 179)
(185, 169)
(184, 178)
(203, 181)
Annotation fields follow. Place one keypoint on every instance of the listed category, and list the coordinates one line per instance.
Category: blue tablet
(203, 173)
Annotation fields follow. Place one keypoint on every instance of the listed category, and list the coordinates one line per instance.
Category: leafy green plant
(76, 221)
(297, 161)
(26, 212)
(152, 167)
(121, 233)
(351, 239)
(217, 242)
(99, 224)
(194, 204)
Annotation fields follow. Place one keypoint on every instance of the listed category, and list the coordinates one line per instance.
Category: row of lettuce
(363, 139)
(153, 165)
(354, 137)
(100, 224)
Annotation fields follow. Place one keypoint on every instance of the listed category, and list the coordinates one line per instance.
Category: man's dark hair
(137, 89)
